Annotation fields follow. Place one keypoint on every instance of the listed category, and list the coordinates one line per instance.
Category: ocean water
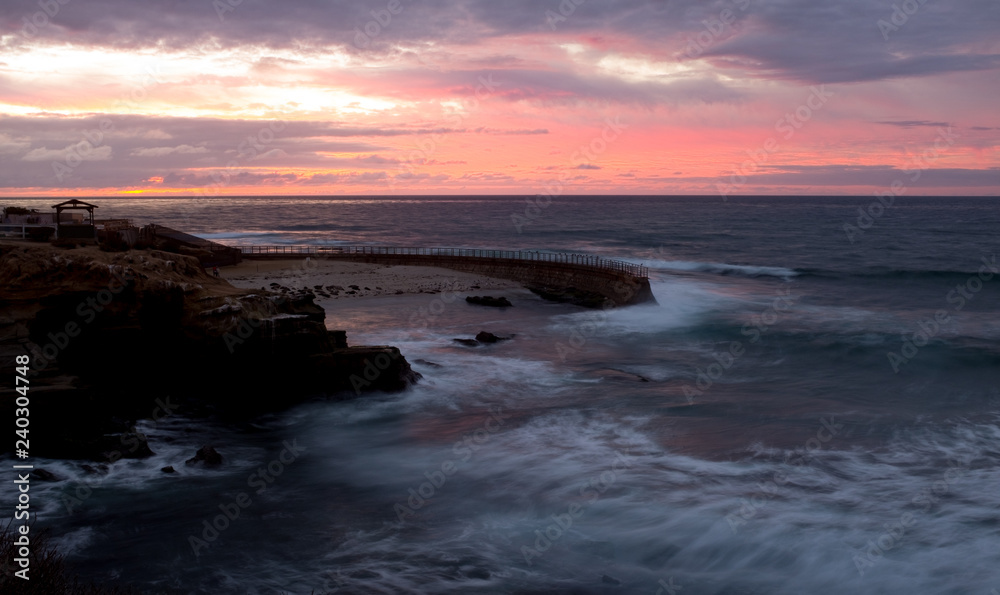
(812, 407)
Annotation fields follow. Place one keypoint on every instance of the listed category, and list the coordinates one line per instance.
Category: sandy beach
(335, 279)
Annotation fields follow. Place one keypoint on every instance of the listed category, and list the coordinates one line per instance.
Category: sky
(382, 97)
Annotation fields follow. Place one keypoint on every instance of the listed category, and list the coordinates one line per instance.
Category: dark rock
(339, 339)
(91, 470)
(168, 469)
(610, 580)
(485, 337)
(101, 384)
(44, 475)
(427, 363)
(488, 300)
(303, 304)
(467, 342)
(354, 287)
(367, 289)
(616, 375)
(130, 445)
(570, 295)
(207, 455)
(350, 370)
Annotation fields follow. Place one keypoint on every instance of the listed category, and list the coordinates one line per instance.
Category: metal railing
(584, 260)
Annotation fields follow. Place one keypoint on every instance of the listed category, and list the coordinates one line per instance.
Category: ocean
(811, 407)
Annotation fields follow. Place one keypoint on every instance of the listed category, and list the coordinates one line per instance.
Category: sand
(372, 280)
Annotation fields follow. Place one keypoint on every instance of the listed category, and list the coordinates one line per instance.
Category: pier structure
(621, 282)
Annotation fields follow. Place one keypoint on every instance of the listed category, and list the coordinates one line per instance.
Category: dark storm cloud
(842, 41)
(802, 40)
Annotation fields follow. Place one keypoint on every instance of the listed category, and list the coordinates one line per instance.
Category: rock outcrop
(488, 300)
(207, 456)
(115, 337)
(571, 295)
(488, 337)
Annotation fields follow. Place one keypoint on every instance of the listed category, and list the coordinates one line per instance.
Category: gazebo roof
(74, 204)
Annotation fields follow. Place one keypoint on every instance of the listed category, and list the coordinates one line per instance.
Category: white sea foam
(721, 268)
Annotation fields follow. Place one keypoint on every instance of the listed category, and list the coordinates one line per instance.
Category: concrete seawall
(621, 288)
(616, 281)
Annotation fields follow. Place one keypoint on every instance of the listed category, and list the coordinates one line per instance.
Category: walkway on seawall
(622, 282)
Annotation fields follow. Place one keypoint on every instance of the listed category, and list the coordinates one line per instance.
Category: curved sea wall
(619, 287)
(619, 282)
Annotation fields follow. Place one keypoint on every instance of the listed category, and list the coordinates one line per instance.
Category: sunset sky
(207, 98)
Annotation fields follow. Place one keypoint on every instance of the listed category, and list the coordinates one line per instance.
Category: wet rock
(486, 337)
(44, 475)
(615, 375)
(168, 469)
(206, 455)
(338, 338)
(427, 363)
(131, 445)
(488, 300)
(467, 342)
(570, 295)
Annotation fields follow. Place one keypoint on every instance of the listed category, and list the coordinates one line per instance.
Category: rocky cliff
(115, 337)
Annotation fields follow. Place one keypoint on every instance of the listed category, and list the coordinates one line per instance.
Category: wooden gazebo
(75, 230)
